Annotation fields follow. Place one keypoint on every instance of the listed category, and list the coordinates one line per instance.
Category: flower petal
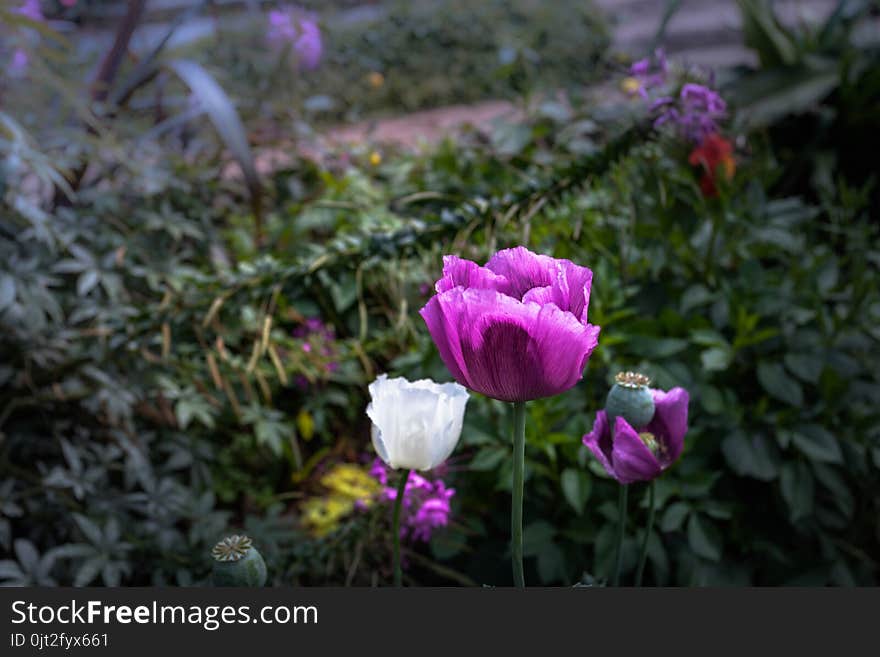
(670, 422)
(509, 350)
(441, 317)
(563, 346)
(571, 289)
(415, 425)
(457, 271)
(631, 458)
(523, 269)
(599, 442)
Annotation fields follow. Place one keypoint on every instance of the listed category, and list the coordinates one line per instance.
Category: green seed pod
(631, 399)
(237, 563)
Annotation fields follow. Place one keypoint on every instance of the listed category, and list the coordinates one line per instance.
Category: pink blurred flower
(31, 9)
(301, 32)
(18, 65)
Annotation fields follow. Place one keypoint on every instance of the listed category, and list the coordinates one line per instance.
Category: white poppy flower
(415, 425)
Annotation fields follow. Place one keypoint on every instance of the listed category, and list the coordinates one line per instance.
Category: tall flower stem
(648, 527)
(516, 513)
(621, 526)
(395, 526)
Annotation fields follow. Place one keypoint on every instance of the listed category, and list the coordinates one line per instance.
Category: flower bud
(237, 563)
(631, 399)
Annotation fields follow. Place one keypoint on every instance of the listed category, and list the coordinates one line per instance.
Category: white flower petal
(416, 425)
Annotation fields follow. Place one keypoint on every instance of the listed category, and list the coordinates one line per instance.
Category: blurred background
(219, 219)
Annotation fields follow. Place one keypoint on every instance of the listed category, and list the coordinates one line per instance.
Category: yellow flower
(306, 424)
(352, 481)
(375, 158)
(630, 86)
(376, 79)
(322, 514)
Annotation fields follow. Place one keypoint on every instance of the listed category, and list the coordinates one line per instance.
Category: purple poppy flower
(630, 456)
(516, 329)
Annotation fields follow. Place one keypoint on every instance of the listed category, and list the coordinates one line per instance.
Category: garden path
(704, 32)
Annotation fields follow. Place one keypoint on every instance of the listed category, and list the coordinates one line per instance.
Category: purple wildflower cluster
(695, 115)
(651, 72)
(300, 31)
(426, 504)
(318, 345)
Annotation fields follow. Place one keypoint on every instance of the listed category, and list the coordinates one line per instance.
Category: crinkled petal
(508, 350)
(442, 322)
(415, 425)
(599, 442)
(523, 269)
(670, 422)
(631, 458)
(571, 289)
(457, 271)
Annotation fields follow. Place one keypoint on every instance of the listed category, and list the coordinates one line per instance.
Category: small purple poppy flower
(516, 329)
(629, 456)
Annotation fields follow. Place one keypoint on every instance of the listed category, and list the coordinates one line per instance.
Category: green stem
(519, 456)
(621, 526)
(648, 527)
(395, 527)
(717, 219)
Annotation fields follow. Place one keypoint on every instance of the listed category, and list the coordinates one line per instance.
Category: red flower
(715, 156)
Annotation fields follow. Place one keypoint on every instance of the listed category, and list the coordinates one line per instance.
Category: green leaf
(536, 536)
(750, 457)
(772, 94)
(704, 538)
(86, 282)
(778, 384)
(576, 486)
(673, 516)
(551, 563)
(223, 115)
(488, 458)
(650, 347)
(716, 359)
(763, 32)
(7, 290)
(807, 367)
(817, 443)
(831, 478)
(695, 296)
(796, 483)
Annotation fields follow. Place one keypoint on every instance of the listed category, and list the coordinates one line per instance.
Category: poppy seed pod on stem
(237, 563)
(631, 399)
(633, 449)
